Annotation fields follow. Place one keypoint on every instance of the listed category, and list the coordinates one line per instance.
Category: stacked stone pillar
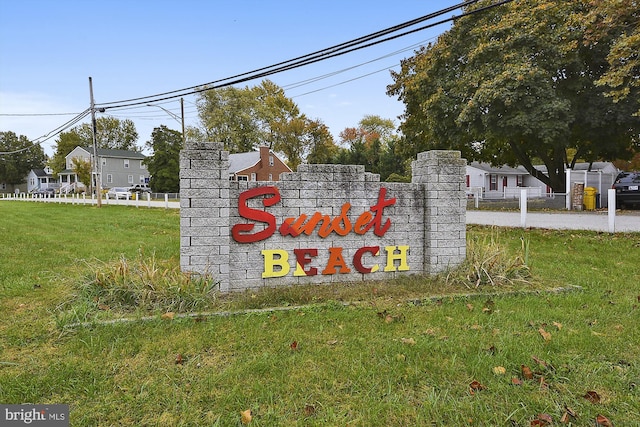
(442, 173)
(204, 211)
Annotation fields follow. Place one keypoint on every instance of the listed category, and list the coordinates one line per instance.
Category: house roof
(242, 161)
(108, 152)
(504, 170)
(583, 166)
(40, 172)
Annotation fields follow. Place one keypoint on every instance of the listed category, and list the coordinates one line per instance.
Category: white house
(41, 179)
(506, 182)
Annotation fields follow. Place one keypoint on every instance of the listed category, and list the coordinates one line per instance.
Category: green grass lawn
(415, 351)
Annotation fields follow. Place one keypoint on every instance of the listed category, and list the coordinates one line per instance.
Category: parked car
(48, 192)
(119, 193)
(140, 188)
(627, 186)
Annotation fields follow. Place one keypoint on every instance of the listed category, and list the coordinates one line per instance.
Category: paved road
(598, 221)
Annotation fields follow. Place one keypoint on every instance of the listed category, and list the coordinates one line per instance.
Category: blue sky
(48, 50)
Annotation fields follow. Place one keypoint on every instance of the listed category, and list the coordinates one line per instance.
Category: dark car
(627, 186)
(140, 188)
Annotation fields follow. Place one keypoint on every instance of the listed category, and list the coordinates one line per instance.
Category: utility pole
(184, 138)
(95, 146)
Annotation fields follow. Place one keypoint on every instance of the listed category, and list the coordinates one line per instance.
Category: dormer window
(126, 163)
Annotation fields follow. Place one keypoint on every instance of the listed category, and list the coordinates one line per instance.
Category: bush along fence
(323, 223)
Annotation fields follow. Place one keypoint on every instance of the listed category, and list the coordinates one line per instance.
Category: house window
(126, 163)
(270, 177)
(130, 179)
(519, 182)
(63, 178)
(253, 177)
(468, 181)
(104, 162)
(271, 161)
(493, 182)
(109, 178)
(243, 178)
(141, 179)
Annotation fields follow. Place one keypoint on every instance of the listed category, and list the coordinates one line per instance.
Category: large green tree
(15, 167)
(111, 133)
(245, 118)
(164, 164)
(516, 84)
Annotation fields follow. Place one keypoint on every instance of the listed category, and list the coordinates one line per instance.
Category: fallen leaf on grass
(168, 315)
(542, 420)
(309, 410)
(568, 415)
(526, 372)
(179, 359)
(540, 362)
(470, 307)
(294, 346)
(489, 306)
(592, 396)
(601, 420)
(245, 416)
(545, 335)
(408, 341)
(332, 342)
(103, 307)
(558, 325)
(499, 370)
(476, 386)
(516, 381)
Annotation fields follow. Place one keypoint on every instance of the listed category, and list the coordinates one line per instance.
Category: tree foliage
(618, 22)
(14, 168)
(374, 144)
(111, 133)
(245, 118)
(164, 164)
(82, 168)
(514, 84)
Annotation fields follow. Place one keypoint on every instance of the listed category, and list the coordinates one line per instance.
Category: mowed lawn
(399, 353)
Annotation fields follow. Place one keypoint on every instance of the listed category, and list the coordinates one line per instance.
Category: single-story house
(506, 182)
(118, 168)
(41, 179)
(261, 165)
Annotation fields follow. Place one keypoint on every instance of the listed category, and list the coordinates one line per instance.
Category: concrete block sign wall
(320, 224)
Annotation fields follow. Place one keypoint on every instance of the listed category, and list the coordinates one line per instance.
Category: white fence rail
(82, 199)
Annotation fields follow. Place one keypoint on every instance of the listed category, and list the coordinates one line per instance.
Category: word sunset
(276, 260)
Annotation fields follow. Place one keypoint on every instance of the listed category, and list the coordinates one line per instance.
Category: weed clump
(147, 284)
(488, 263)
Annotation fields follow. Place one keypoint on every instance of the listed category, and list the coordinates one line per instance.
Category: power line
(317, 56)
(52, 133)
(303, 60)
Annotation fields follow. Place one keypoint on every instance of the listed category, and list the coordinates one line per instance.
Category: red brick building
(261, 165)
